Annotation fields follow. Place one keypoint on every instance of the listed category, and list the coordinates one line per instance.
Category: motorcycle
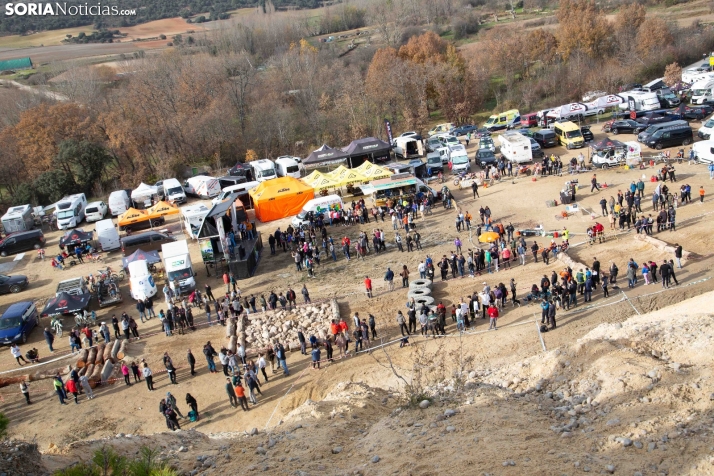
(56, 325)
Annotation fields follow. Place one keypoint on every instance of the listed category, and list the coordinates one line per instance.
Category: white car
(487, 143)
(95, 211)
(449, 140)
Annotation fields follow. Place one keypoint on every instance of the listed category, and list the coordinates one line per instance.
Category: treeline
(146, 10)
(259, 86)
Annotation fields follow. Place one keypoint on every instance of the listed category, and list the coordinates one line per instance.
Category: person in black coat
(49, 338)
(191, 361)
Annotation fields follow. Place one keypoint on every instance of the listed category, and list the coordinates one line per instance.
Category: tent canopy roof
(144, 191)
(149, 256)
(75, 237)
(367, 145)
(608, 143)
(325, 155)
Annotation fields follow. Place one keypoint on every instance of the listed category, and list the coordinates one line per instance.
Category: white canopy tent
(143, 194)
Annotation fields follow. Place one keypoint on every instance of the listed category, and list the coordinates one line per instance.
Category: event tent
(607, 143)
(344, 176)
(151, 257)
(279, 198)
(320, 181)
(75, 237)
(132, 216)
(65, 303)
(143, 193)
(373, 172)
(161, 209)
(324, 156)
(368, 148)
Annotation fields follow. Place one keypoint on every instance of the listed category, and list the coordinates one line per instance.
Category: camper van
(173, 191)
(704, 151)
(263, 170)
(107, 235)
(516, 147)
(301, 166)
(639, 101)
(202, 186)
(70, 211)
(18, 219)
(192, 217)
(287, 167)
(317, 206)
(177, 262)
(702, 91)
(408, 148)
(705, 132)
(240, 189)
(504, 120)
(118, 202)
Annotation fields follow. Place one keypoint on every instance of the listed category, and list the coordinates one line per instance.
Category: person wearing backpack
(193, 413)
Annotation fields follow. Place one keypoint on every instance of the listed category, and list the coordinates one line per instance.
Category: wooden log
(231, 328)
(83, 370)
(92, 355)
(99, 359)
(242, 336)
(82, 358)
(232, 343)
(44, 374)
(96, 375)
(4, 382)
(115, 349)
(108, 352)
(90, 370)
(122, 349)
(107, 370)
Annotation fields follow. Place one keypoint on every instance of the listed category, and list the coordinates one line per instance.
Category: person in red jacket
(493, 315)
(345, 333)
(368, 286)
(72, 388)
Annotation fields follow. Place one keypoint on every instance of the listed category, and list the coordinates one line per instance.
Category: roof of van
(567, 125)
(16, 211)
(262, 163)
(118, 192)
(171, 180)
(16, 310)
(507, 113)
(98, 202)
(241, 186)
(286, 159)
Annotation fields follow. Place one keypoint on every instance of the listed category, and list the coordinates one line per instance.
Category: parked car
(526, 132)
(12, 284)
(17, 322)
(434, 164)
(529, 120)
(21, 241)
(485, 157)
(449, 140)
(463, 130)
(487, 143)
(627, 126)
(694, 113)
(587, 133)
(433, 143)
(536, 151)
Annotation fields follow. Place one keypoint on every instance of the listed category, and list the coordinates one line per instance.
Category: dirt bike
(56, 324)
(108, 272)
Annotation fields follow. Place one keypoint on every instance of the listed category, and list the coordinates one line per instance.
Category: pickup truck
(74, 286)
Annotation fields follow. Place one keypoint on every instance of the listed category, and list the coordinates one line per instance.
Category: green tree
(83, 160)
(52, 186)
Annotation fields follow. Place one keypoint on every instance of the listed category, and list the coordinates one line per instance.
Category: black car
(21, 241)
(12, 284)
(696, 113)
(628, 126)
(587, 134)
(463, 130)
(485, 157)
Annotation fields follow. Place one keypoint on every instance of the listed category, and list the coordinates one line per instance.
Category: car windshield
(267, 173)
(65, 214)
(709, 123)
(92, 210)
(180, 274)
(484, 154)
(10, 323)
(700, 92)
(433, 160)
(460, 159)
(491, 120)
(574, 134)
(175, 190)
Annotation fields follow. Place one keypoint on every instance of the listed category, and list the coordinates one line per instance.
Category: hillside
(145, 11)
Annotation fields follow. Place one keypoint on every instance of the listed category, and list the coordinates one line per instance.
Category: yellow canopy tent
(345, 176)
(372, 172)
(279, 198)
(132, 216)
(316, 174)
(161, 209)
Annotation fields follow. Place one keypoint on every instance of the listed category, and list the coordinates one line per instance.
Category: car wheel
(658, 146)
(686, 142)
(600, 111)
(3, 253)
(14, 289)
(37, 246)
(615, 131)
(24, 338)
(567, 146)
(604, 166)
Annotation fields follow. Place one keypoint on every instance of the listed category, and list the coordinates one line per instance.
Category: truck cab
(179, 271)
(504, 120)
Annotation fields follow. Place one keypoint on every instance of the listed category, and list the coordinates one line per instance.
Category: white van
(263, 170)
(705, 132)
(118, 202)
(173, 191)
(317, 206)
(459, 160)
(702, 91)
(202, 186)
(95, 211)
(141, 282)
(192, 216)
(287, 167)
(704, 151)
(240, 188)
(107, 235)
(70, 211)
(18, 219)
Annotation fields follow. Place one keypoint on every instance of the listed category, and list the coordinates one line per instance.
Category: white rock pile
(283, 325)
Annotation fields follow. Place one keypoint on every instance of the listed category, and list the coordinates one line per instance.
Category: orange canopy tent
(161, 209)
(279, 198)
(132, 216)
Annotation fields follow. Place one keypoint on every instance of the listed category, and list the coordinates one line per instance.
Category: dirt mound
(20, 457)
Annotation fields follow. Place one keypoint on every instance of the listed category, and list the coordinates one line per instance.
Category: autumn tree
(672, 74)
(428, 47)
(250, 155)
(653, 36)
(583, 27)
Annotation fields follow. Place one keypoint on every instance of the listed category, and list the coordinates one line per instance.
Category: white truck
(704, 151)
(141, 282)
(107, 235)
(639, 101)
(173, 191)
(202, 186)
(263, 169)
(177, 262)
(516, 147)
(459, 159)
(408, 148)
(702, 91)
(287, 167)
